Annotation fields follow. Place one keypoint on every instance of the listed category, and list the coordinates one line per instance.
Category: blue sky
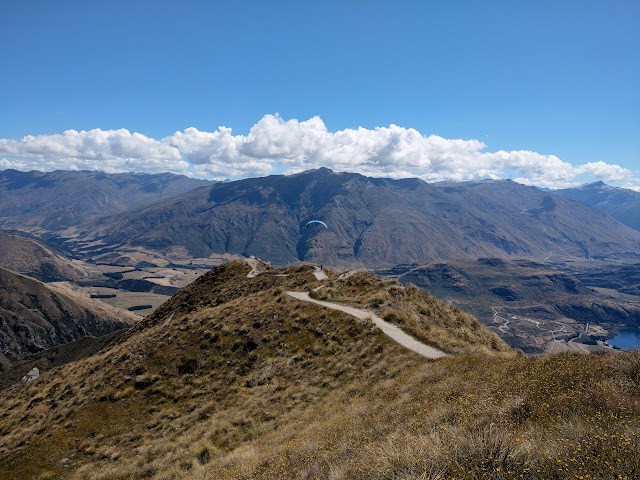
(553, 84)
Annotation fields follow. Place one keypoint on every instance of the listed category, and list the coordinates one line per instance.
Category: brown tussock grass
(246, 382)
(416, 312)
(470, 417)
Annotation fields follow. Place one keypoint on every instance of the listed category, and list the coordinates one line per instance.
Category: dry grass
(562, 416)
(234, 379)
(416, 312)
(226, 373)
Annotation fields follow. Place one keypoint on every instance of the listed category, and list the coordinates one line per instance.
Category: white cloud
(605, 171)
(275, 144)
(107, 150)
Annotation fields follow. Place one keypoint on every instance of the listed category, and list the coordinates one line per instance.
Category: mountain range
(344, 220)
(620, 203)
(53, 201)
(370, 222)
(256, 371)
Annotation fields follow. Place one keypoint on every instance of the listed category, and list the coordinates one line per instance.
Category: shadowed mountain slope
(35, 317)
(31, 258)
(621, 203)
(623, 278)
(55, 356)
(371, 221)
(53, 201)
(233, 378)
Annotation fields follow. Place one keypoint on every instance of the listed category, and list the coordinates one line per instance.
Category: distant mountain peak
(318, 171)
(623, 204)
(598, 184)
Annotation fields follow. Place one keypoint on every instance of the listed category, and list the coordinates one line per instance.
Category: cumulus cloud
(107, 150)
(605, 171)
(276, 144)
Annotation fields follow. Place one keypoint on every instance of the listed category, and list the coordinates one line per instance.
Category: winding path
(505, 324)
(253, 263)
(388, 329)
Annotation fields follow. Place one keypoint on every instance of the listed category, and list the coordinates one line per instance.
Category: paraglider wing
(318, 221)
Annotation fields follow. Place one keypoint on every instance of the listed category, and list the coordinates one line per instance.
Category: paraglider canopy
(317, 221)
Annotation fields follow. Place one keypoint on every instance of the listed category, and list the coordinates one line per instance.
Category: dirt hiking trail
(388, 329)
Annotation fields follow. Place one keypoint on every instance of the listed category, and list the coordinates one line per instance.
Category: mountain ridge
(34, 259)
(621, 203)
(53, 201)
(372, 222)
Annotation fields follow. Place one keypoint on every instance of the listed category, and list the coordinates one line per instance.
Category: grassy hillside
(34, 317)
(415, 311)
(558, 416)
(233, 378)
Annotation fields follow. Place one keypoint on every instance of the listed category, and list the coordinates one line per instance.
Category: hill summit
(237, 377)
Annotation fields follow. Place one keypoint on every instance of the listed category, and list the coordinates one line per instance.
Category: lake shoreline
(625, 338)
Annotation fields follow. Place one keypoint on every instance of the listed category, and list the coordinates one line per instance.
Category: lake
(626, 339)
